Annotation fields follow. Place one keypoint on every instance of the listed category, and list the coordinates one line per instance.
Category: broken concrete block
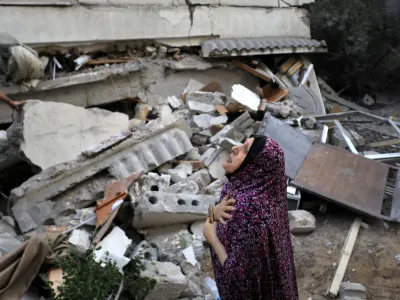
(229, 132)
(136, 124)
(170, 241)
(80, 239)
(350, 290)
(301, 221)
(202, 121)
(6, 227)
(62, 220)
(86, 214)
(49, 133)
(114, 247)
(199, 107)
(227, 143)
(8, 156)
(170, 282)
(181, 172)
(150, 182)
(202, 97)
(145, 251)
(145, 150)
(163, 111)
(216, 169)
(245, 97)
(201, 177)
(142, 111)
(193, 154)
(218, 120)
(215, 187)
(196, 229)
(8, 243)
(193, 86)
(174, 102)
(184, 187)
(209, 156)
(159, 209)
(338, 139)
(194, 287)
(310, 124)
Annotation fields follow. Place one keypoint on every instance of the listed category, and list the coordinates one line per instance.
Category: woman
(251, 249)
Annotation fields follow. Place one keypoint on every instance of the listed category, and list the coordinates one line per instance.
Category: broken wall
(153, 81)
(103, 20)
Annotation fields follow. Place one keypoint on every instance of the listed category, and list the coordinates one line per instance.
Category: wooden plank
(344, 258)
(287, 64)
(346, 103)
(385, 143)
(36, 2)
(251, 70)
(345, 178)
(294, 69)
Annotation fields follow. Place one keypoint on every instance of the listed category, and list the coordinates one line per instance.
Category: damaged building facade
(130, 110)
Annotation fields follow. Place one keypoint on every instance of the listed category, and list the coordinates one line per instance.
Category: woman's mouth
(229, 160)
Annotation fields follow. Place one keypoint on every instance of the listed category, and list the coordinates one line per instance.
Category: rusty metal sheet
(115, 191)
(345, 178)
(294, 144)
(395, 212)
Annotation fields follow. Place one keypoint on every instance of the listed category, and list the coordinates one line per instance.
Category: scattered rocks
(352, 291)
(170, 282)
(301, 221)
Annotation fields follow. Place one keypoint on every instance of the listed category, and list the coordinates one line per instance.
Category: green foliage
(86, 279)
(363, 41)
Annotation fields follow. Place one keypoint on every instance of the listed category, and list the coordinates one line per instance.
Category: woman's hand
(210, 231)
(221, 209)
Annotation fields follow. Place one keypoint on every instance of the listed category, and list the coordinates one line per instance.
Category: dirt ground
(372, 263)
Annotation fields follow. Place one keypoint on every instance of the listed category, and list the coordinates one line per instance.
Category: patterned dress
(260, 262)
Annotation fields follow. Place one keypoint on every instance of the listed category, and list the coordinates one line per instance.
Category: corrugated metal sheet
(259, 46)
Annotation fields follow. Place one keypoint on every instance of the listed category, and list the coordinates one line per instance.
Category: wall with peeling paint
(110, 20)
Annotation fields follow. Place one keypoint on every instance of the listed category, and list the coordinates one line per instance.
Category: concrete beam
(136, 22)
(146, 150)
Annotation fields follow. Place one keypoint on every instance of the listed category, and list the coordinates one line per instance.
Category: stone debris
(301, 221)
(113, 247)
(49, 133)
(81, 240)
(352, 291)
(146, 250)
(170, 282)
(168, 205)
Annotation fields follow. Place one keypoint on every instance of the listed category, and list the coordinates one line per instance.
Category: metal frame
(346, 138)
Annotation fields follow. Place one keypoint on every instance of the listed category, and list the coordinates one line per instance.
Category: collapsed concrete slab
(301, 221)
(49, 133)
(8, 155)
(145, 150)
(159, 209)
(170, 282)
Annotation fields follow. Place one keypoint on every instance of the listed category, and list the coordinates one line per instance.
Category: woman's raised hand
(222, 209)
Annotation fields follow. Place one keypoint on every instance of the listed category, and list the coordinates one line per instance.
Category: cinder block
(159, 209)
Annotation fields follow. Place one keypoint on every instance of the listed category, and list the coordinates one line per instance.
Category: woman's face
(237, 156)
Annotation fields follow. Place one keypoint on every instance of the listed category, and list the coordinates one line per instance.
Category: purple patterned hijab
(260, 262)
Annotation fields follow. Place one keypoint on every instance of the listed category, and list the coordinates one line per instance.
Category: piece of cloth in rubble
(260, 263)
(19, 268)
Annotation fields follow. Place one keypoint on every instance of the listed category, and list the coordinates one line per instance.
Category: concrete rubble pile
(158, 171)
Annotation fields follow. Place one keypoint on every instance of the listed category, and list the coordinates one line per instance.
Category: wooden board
(251, 70)
(345, 178)
(344, 258)
(287, 64)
